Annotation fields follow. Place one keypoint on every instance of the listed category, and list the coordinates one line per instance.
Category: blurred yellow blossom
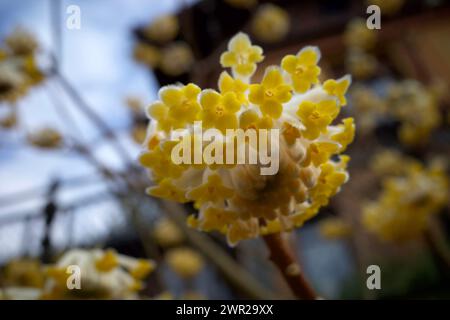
(105, 275)
(167, 234)
(162, 29)
(147, 54)
(176, 59)
(21, 42)
(23, 273)
(45, 138)
(184, 261)
(270, 23)
(417, 108)
(406, 203)
(18, 68)
(390, 162)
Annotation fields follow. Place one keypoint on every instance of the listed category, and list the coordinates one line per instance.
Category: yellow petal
(191, 91)
(171, 96)
(248, 118)
(272, 78)
(245, 69)
(283, 93)
(256, 94)
(228, 59)
(308, 56)
(272, 109)
(209, 99)
(225, 82)
(289, 63)
(239, 42)
(158, 110)
(230, 102)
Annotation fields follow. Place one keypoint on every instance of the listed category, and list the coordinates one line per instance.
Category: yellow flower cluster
(18, 69)
(104, 275)
(417, 108)
(390, 162)
(406, 202)
(236, 199)
(270, 23)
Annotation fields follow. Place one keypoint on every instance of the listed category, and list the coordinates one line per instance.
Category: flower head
(219, 111)
(303, 68)
(271, 93)
(237, 199)
(338, 88)
(177, 107)
(241, 56)
(317, 116)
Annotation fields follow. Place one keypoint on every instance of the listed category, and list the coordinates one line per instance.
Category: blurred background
(72, 117)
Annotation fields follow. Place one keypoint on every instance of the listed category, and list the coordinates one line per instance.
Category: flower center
(315, 115)
(219, 110)
(242, 58)
(186, 105)
(269, 93)
(299, 70)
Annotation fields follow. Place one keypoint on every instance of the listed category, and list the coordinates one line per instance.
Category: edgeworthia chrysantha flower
(240, 199)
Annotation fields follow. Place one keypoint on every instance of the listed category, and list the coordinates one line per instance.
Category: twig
(94, 117)
(282, 256)
(231, 270)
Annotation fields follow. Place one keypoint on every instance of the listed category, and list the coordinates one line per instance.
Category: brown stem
(238, 276)
(283, 257)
